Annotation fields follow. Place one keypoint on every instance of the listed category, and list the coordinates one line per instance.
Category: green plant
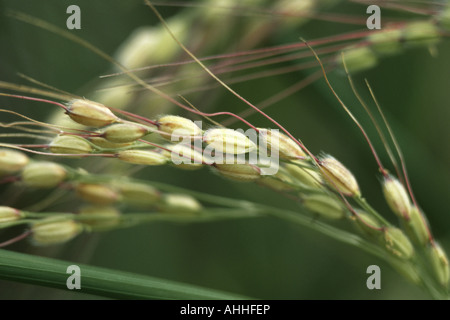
(305, 177)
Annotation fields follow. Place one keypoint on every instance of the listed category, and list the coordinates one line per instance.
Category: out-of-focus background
(263, 258)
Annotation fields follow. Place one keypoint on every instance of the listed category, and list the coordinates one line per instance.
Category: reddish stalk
(83, 155)
(35, 99)
(15, 239)
(279, 96)
(262, 51)
(366, 137)
(224, 84)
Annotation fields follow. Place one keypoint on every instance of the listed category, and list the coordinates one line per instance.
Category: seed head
(324, 205)
(239, 172)
(139, 48)
(358, 59)
(386, 42)
(300, 9)
(184, 156)
(144, 157)
(97, 193)
(105, 144)
(180, 203)
(408, 270)
(8, 214)
(284, 145)
(444, 18)
(417, 228)
(90, 113)
(397, 243)
(12, 161)
(100, 218)
(48, 231)
(43, 174)
(367, 223)
(124, 132)
(339, 177)
(422, 33)
(281, 181)
(174, 127)
(397, 197)
(305, 176)
(439, 263)
(228, 141)
(138, 194)
(70, 145)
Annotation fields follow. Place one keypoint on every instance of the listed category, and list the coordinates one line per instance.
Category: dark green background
(262, 258)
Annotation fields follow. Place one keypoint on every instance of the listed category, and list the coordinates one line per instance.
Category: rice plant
(94, 174)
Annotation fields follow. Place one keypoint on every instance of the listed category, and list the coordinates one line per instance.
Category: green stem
(363, 203)
(204, 216)
(217, 200)
(429, 282)
(328, 230)
(247, 209)
(295, 217)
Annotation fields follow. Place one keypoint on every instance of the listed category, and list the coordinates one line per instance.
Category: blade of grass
(104, 282)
